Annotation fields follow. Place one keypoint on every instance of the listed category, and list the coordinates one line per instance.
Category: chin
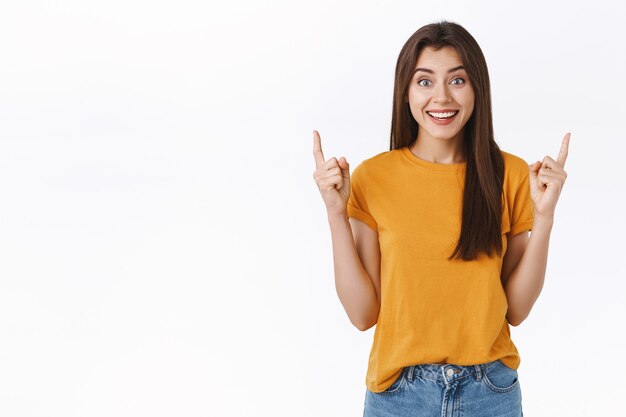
(445, 137)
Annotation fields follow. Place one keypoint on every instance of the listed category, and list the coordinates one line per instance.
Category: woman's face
(434, 88)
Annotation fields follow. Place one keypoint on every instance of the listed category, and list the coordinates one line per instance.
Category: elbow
(364, 325)
(367, 319)
(515, 321)
(367, 322)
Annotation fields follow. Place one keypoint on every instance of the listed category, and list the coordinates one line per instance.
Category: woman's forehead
(445, 56)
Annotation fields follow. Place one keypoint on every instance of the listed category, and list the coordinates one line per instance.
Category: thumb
(534, 169)
(343, 164)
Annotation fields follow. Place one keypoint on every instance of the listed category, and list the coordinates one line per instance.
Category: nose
(442, 95)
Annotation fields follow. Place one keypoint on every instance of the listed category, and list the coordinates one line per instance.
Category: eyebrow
(432, 72)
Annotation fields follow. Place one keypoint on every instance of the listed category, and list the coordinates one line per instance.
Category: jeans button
(450, 372)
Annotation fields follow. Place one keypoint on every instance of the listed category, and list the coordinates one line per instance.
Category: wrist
(337, 217)
(543, 221)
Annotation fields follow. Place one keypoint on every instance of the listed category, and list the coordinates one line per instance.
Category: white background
(164, 250)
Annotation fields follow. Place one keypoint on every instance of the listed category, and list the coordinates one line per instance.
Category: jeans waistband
(446, 372)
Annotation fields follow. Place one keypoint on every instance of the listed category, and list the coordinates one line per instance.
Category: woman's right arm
(356, 257)
(356, 253)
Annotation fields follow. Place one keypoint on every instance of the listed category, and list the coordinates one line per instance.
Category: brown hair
(484, 174)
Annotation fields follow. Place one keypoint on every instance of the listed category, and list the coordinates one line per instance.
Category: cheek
(468, 99)
(416, 111)
(470, 107)
(417, 101)
(466, 102)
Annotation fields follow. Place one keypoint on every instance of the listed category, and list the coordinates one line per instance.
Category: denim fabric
(446, 390)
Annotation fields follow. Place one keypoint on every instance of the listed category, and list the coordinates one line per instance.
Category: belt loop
(479, 373)
(410, 373)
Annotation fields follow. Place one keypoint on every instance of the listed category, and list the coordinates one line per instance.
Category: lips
(445, 113)
(443, 121)
(441, 110)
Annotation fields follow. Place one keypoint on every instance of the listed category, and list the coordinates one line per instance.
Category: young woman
(430, 239)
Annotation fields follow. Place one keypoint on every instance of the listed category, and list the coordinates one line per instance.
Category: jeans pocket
(500, 378)
(397, 384)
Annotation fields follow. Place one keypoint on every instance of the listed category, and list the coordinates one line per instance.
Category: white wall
(164, 250)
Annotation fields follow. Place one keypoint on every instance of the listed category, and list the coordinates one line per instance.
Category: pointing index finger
(564, 149)
(317, 149)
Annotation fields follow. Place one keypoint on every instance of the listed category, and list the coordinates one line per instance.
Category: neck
(439, 151)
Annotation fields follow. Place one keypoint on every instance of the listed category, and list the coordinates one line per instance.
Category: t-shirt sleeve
(522, 208)
(358, 207)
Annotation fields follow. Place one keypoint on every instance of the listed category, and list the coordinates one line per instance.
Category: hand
(546, 181)
(332, 178)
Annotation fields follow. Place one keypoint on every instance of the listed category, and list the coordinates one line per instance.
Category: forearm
(354, 286)
(525, 283)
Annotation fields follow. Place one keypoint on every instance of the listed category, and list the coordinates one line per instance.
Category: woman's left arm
(525, 283)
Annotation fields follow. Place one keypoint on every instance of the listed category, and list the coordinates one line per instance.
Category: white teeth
(442, 115)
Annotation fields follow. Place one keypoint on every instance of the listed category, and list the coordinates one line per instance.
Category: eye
(420, 83)
(461, 79)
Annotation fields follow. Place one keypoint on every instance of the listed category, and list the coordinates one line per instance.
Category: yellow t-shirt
(434, 310)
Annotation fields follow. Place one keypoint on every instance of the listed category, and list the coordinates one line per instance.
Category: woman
(430, 239)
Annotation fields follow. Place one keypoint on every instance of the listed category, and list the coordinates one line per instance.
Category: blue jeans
(445, 390)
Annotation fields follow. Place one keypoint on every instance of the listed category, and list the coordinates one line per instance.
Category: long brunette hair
(481, 229)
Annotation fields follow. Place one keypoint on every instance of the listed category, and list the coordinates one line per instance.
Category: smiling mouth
(442, 116)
